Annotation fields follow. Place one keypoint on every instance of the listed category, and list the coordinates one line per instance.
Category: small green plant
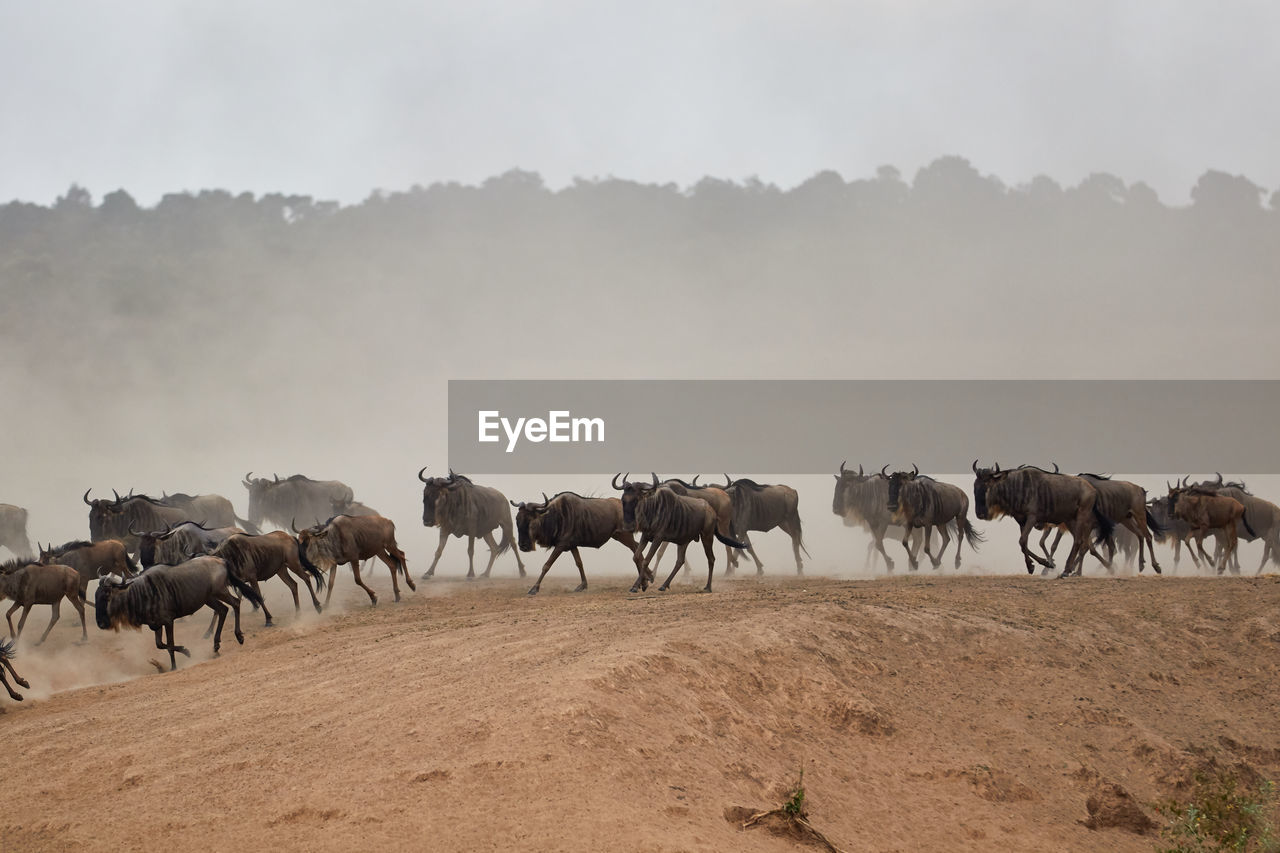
(795, 803)
(1223, 814)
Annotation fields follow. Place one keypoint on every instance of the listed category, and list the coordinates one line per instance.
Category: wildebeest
(211, 510)
(568, 522)
(88, 557)
(180, 542)
(863, 499)
(29, 584)
(1203, 510)
(761, 507)
(661, 515)
(461, 508)
(6, 662)
(1263, 515)
(714, 495)
(162, 594)
(1032, 496)
(13, 530)
(296, 499)
(350, 539)
(1174, 530)
(923, 503)
(1125, 504)
(256, 558)
(114, 519)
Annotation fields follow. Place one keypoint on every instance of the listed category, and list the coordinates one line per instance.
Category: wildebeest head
(103, 514)
(844, 480)
(985, 505)
(633, 491)
(896, 479)
(315, 546)
(530, 518)
(258, 489)
(433, 489)
(109, 586)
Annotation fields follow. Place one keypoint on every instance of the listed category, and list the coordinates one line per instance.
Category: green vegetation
(1222, 814)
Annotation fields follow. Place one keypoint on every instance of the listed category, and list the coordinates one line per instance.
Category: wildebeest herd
(157, 560)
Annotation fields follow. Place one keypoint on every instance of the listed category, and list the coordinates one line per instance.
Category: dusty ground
(928, 712)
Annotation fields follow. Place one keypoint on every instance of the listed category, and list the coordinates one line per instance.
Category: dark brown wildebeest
(6, 662)
(254, 559)
(179, 543)
(862, 499)
(13, 530)
(114, 519)
(461, 508)
(212, 510)
(922, 503)
(88, 557)
(1174, 531)
(1032, 496)
(350, 539)
(714, 495)
(162, 594)
(1125, 504)
(761, 507)
(1204, 510)
(661, 515)
(1263, 515)
(568, 522)
(294, 499)
(29, 584)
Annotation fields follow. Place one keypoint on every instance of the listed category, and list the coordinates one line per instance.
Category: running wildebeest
(212, 510)
(1125, 504)
(922, 503)
(568, 522)
(181, 542)
(1263, 515)
(88, 557)
(350, 539)
(1032, 496)
(268, 555)
(1203, 510)
(13, 530)
(761, 507)
(714, 495)
(115, 519)
(6, 662)
(29, 584)
(461, 508)
(862, 499)
(1175, 531)
(661, 515)
(162, 594)
(294, 499)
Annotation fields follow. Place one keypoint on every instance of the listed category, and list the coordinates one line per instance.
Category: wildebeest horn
(420, 477)
(882, 470)
(293, 523)
(1184, 481)
(117, 494)
(1056, 469)
(247, 478)
(997, 467)
(842, 465)
(277, 476)
(655, 478)
(133, 532)
(728, 481)
(545, 500)
(695, 479)
(614, 481)
(514, 504)
(86, 497)
(1219, 473)
(915, 470)
(975, 466)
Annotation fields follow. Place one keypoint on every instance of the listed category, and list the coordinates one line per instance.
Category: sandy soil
(928, 712)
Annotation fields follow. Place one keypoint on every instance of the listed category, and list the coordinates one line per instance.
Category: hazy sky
(160, 96)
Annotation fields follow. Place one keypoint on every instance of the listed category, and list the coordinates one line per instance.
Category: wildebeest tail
(316, 574)
(243, 588)
(505, 544)
(1157, 529)
(6, 650)
(725, 540)
(1244, 517)
(970, 535)
(1105, 526)
(306, 563)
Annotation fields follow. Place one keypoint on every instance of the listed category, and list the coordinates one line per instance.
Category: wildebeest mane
(70, 546)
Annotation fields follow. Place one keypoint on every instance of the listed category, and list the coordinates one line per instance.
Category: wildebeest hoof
(411, 584)
(17, 697)
(318, 608)
(533, 590)
(22, 682)
(397, 596)
(269, 624)
(580, 587)
(239, 638)
(426, 576)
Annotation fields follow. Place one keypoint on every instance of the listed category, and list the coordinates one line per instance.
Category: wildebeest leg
(57, 605)
(26, 611)
(790, 530)
(74, 598)
(506, 532)
(657, 561)
(945, 535)
(333, 577)
(877, 539)
(5, 663)
(680, 549)
(283, 574)
(355, 571)
(1027, 526)
(293, 587)
(234, 603)
(393, 563)
(637, 557)
(1268, 549)
(867, 560)
(219, 612)
(471, 558)
(444, 537)
(17, 697)
(577, 559)
(546, 567)
(906, 546)
(9, 617)
(708, 544)
(493, 553)
(173, 662)
(746, 540)
(306, 579)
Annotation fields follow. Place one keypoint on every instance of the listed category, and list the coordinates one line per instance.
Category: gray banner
(809, 426)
